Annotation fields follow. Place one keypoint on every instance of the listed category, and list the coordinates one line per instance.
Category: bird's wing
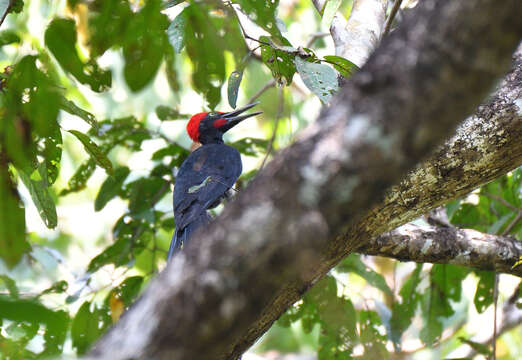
(203, 180)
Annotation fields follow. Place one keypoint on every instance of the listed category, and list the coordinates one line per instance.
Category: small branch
(500, 200)
(448, 245)
(6, 12)
(260, 92)
(391, 17)
(276, 125)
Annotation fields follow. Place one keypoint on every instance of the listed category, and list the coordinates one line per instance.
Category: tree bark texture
(299, 217)
(448, 245)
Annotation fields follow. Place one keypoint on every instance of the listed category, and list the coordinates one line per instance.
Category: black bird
(207, 174)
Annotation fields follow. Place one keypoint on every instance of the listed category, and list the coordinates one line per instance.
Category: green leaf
(319, 78)
(145, 192)
(167, 113)
(484, 293)
(60, 38)
(8, 37)
(52, 153)
(127, 132)
(79, 179)
(132, 236)
(263, 13)
(234, 80)
(176, 32)
(42, 199)
(330, 8)
(279, 62)
(205, 49)
(13, 243)
(88, 325)
(445, 285)
(128, 290)
(10, 284)
(93, 150)
(56, 322)
(73, 109)
(56, 288)
(354, 264)
(345, 67)
(144, 45)
(111, 187)
(402, 312)
(250, 146)
(480, 348)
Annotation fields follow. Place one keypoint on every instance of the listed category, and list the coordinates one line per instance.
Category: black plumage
(206, 176)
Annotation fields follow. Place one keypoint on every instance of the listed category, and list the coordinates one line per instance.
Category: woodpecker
(207, 174)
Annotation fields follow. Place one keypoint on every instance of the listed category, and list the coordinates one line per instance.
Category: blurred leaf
(42, 199)
(167, 113)
(330, 8)
(56, 288)
(13, 243)
(10, 285)
(205, 50)
(250, 146)
(108, 23)
(60, 38)
(52, 153)
(234, 80)
(354, 264)
(279, 62)
(176, 32)
(480, 348)
(88, 325)
(127, 291)
(131, 238)
(145, 192)
(144, 45)
(263, 13)
(345, 67)
(79, 180)
(127, 132)
(371, 338)
(8, 37)
(171, 3)
(445, 285)
(402, 312)
(319, 78)
(484, 293)
(56, 322)
(73, 109)
(111, 187)
(96, 153)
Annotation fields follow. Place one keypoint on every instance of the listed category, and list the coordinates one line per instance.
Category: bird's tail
(182, 236)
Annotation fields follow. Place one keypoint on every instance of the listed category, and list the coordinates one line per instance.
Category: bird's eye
(213, 113)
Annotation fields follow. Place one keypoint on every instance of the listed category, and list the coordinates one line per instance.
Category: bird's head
(209, 127)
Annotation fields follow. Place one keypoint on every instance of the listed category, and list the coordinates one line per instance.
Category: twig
(6, 12)
(260, 92)
(500, 200)
(513, 223)
(314, 37)
(393, 12)
(276, 125)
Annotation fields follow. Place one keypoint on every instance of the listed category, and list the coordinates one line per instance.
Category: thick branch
(404, 101)
(448, 245)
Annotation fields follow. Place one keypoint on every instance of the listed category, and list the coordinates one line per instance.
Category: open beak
(233, 118)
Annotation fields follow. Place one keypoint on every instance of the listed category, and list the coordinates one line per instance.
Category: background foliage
(92, 94)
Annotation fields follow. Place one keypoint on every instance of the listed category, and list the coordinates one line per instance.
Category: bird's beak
(233, 118)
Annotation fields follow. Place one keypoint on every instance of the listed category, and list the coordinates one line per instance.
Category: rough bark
(448, 245)
(283, 232)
